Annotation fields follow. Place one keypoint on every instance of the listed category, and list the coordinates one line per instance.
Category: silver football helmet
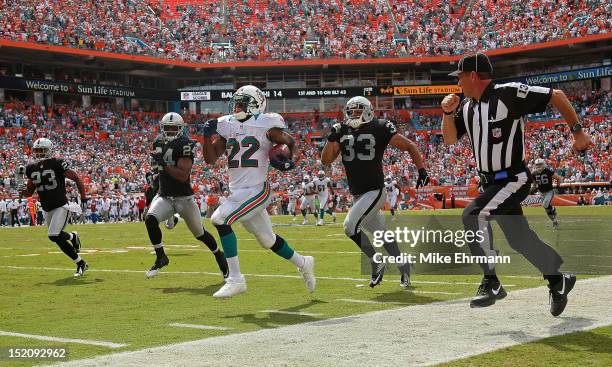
(42, 149)
(358, 111)
(172, 126)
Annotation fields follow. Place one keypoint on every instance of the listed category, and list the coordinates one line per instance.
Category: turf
(115, 303)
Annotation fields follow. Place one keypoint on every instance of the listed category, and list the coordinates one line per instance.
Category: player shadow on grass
(208, 290)
(567, 324)
(70, 281)
(273, 320)
(404, 296)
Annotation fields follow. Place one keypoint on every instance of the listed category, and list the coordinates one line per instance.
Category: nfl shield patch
(497, 132)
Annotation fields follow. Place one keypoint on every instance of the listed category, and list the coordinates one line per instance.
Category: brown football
(280, 152)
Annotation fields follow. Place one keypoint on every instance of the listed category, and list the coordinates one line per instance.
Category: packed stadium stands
(111, 148)
(208, 31)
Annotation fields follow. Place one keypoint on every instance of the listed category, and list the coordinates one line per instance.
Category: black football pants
(501, 201)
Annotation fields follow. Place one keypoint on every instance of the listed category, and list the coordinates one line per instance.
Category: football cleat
(172, 221)
(488, 292)
(405, 280)
(320, 222)
(307, 272)
(558, 293)
(222, 262)
(305, 222)
(160, 262)
(81, 269)
(76, 242)
(232, 287)
(555, 224)
(378, 270)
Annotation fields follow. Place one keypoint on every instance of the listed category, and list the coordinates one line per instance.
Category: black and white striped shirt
(496, 123)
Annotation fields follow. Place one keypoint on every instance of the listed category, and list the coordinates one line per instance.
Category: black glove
(334, 133)
(210, 128)
(423, 178)
(282, 165)
(158, 158)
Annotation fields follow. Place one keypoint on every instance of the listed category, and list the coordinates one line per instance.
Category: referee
(493, 117)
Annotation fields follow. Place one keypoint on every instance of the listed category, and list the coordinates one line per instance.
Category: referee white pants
(501, 201)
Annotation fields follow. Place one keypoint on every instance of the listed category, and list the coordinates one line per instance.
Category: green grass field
(115, 303)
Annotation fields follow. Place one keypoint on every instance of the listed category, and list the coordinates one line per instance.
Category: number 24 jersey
(362, 153)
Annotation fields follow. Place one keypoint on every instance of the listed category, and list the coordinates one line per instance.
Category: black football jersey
(544, 179)
(48, 178)
(180, 147)
(362, 153)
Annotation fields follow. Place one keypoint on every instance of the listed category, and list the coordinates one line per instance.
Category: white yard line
(199, 326)
(64, 340)
(293, 313)
(419, 335)
(432, 292)
(93, 270)
(370, 302)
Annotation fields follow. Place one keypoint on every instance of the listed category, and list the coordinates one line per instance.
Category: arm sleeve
(62, 165)
(387, 130)
(223, 127)
(526, 99)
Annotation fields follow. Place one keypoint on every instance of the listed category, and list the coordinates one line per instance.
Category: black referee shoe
(489, 291)
(558, 293)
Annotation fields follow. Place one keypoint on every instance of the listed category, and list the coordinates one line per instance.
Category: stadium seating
(209, 31)
(111, 147)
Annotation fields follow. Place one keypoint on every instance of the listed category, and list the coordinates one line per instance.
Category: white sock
(234, 267)
(159, 245)
(76, 261)
(297, 259)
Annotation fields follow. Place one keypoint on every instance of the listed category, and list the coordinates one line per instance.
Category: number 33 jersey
(181, 147)
(247, 147)
(362, 152)
(48, 178)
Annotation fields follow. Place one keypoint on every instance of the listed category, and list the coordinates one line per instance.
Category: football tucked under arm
(280, 157)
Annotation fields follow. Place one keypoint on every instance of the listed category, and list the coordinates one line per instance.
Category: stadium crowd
(209, 31)
(110, 149)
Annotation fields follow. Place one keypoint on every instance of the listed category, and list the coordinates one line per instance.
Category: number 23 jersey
(362, 152)
(48, 178)
(247, 147)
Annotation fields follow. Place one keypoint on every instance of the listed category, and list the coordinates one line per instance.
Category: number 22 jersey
(247, 146)
(362, 152)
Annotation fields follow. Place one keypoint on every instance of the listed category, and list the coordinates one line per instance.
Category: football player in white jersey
(393, 192)
(292, 196)
(308, 195)
(246, 136)
(322, 186)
